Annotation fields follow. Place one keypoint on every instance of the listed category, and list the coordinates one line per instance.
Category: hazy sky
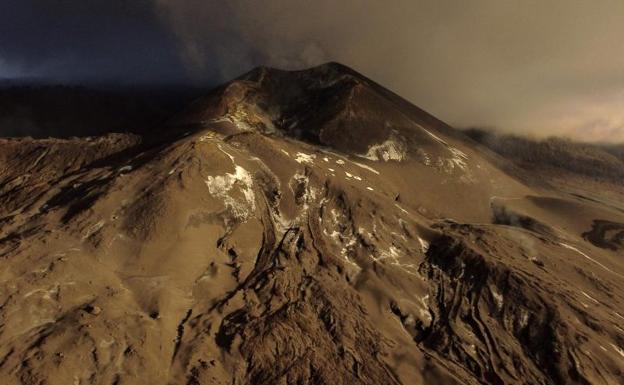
(544, 67)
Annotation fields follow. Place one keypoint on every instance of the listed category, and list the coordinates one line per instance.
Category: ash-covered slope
(300, 228)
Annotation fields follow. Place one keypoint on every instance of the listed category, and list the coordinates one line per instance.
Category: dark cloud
(87, 40)
(533, 66)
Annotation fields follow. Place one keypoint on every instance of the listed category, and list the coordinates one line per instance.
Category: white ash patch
(301, 178)
(125, 169)
(335, 235)
(221, 119)
(619, 350)
(352, 176)
(281, 223)
(116, 237)
(401, 208)
(305, 158)
(459, 158)
(450, 164)
(424, 245)
(226, 153)
(241, 124)
(348, 243)
(104, 344)
(336, 216)
(498, 298)
(366, 167)
(241, 118)
(424, 311)
(93, 229)
(42, 155)
(46, 294)
(590, 297)
(365, 233)
(524, 318)
(425, 158)
(347, 250)
(588, 257)
(221, 187)
(435, 137)
(392, 253)
(397, 235)
(341, 161)
(309, 196)
(391, 149)
(208, 136)
(458, 162)
(343, 238)
(472, 349)
(237, 118)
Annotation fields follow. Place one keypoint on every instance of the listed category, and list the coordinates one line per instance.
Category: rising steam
(532, 66)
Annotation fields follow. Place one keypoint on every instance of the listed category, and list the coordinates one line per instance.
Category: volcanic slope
(301, 227)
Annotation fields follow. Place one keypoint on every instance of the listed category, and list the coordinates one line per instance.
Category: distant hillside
(63, 111)
(616, 150)
(604, 162)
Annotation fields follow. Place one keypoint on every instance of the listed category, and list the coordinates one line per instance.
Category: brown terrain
(308, 227)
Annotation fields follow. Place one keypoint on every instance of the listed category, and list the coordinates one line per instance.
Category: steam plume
(531, 66)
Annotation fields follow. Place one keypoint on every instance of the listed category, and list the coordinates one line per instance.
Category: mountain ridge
(374, 245)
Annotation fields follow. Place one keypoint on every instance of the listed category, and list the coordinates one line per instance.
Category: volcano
(302, 227)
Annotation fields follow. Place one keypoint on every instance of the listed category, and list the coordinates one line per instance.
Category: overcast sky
(538, 67)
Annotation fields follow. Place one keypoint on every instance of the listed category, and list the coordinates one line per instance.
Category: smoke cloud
(530, 66)
(526, 66)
